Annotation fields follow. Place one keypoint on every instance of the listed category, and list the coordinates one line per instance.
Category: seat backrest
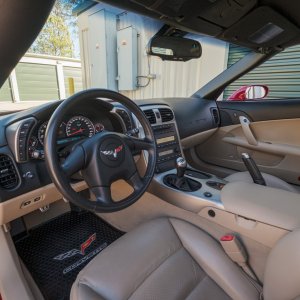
(282, 274)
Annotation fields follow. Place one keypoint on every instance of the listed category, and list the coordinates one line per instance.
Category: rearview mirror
(174, 48)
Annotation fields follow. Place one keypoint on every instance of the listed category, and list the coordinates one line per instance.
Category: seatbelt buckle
(233, 248)
(237, 253)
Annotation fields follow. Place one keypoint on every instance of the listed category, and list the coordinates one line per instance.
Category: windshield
(85, 44)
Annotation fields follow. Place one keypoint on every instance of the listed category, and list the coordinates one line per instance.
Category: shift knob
(180, 166)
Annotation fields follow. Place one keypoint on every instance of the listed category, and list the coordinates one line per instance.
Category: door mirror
(256, 92)
(250, 92)
(174, 48)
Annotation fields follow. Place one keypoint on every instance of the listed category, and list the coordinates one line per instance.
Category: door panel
(258, 110)
(277, 151)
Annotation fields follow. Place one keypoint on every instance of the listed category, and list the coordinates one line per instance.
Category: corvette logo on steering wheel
(113, 152)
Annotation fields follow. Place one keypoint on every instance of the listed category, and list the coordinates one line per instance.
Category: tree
(55, 37)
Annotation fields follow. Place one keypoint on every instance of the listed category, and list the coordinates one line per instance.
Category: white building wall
(173, 79)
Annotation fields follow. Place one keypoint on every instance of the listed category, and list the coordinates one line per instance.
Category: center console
(175, 181)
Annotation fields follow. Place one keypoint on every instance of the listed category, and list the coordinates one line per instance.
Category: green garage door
(37, 82)
(5, 92)
(281, 73)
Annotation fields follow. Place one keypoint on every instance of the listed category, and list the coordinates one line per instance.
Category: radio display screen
(167, 152)
(166, 139)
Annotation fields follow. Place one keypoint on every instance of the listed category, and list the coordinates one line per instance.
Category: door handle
(247, 131)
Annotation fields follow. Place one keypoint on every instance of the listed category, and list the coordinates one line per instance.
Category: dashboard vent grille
(149, 113)
(166, 114)
(215, 115)
(8, 174)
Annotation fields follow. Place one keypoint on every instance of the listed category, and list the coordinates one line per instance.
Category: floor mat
(55, 252)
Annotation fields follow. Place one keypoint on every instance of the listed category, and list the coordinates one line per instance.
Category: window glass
(280, 75)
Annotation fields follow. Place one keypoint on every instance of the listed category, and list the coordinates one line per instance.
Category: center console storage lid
(268, 205)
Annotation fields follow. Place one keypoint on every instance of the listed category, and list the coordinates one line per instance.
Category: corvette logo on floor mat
(80, 251)
(84, 259)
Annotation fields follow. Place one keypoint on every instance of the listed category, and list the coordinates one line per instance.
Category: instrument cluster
(71, 130)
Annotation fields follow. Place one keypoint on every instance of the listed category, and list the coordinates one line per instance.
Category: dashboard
(22, 164)
(25, 184)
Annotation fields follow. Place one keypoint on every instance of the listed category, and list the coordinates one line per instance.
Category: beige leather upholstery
(278, 208)
(271, 181)
(282, 275)
(164, 259)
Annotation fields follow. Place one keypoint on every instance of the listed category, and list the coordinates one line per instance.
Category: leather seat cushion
(163, 259)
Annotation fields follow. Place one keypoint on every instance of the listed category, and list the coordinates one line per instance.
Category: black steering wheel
(102, 159)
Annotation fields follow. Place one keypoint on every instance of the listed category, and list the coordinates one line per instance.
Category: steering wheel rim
(93, 153)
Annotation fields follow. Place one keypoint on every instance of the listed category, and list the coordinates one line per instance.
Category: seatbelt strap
(235, 250)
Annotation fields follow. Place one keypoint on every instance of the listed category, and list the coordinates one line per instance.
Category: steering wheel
(102, 159)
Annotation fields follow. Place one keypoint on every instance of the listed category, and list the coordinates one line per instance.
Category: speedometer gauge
(80, 126)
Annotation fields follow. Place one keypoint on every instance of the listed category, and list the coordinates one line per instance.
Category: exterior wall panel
(76, 74)
(173, 79)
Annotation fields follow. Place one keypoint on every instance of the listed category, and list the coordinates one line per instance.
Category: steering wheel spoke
(138, 144)
(136, 181)
(74, 162)
(102, 194)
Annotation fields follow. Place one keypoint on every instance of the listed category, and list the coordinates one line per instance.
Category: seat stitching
(164, 260)
(255, 285)
(179, 248)
(90, 286)
(171, 251)
(151, 272)
(196, 285)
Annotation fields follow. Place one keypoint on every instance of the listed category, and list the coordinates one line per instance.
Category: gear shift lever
(180, 182)
(180, 166)
(253, 169)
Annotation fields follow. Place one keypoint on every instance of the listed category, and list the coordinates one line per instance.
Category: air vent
(215, 115)
(150, 116)
(166, 114)
(8, 174)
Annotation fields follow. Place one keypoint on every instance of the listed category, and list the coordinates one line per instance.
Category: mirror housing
(174, 48)
(249, 92)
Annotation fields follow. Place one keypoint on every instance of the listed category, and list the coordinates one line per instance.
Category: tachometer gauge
(80, 126)
(41, 132)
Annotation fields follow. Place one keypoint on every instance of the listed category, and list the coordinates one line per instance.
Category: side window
(277, 78)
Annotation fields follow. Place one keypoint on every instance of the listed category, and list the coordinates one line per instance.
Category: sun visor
(262, 28)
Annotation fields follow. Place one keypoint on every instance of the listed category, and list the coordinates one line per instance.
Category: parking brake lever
(253, 169)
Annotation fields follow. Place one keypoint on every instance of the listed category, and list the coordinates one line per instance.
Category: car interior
(103, 197)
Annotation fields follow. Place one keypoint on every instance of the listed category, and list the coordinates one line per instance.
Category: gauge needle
(78, 131)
